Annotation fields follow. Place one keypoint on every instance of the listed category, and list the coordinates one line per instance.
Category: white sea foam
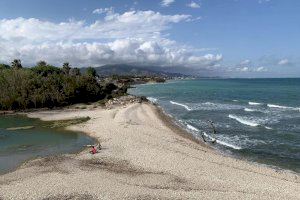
(247, 122)
(234, 100)
(192, 127)
(215, 106)
(222, 142)
(243, 121)
(254, 103)
(180, 104)
(249, 110)
(267, 127)
(228, 145)
(152, 99)
(282, 107)
(213, 139)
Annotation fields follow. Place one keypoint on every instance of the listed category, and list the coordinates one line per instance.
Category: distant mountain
(131, 70)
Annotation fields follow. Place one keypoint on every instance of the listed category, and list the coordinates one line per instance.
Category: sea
(254, 119)
(19, 146)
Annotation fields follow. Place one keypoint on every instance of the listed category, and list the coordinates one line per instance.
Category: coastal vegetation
(47, 86)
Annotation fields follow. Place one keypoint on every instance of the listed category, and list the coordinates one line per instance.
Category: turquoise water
(256, 119)
(19, 146)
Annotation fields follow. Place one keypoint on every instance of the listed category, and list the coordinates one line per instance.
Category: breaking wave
(249, 110)
(243, 121)
(213, 139)
(222, 142)
(152, 99)
(254, 103)
(282, 107)
(180, 104)
(191, 127)
(248, 122)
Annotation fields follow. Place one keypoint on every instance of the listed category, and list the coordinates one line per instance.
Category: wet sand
(144, 156)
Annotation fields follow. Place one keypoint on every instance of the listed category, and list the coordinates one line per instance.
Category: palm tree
(90, 71)
(66, 68)
(16, 64)
(41, 63)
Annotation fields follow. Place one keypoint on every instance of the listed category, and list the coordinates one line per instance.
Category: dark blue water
(257, 119)
(19, 146)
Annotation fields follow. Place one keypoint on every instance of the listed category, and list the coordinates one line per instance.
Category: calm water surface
(20, 145)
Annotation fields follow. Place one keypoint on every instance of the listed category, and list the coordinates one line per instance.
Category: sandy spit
(144, 156)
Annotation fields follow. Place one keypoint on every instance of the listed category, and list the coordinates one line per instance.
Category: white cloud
(264, 1)
(283, 62)
(103, 10)
(245, 62)
(193, 5)
(167, 3)
(131, 37)
(251, 69)
(114, 25)
(261, 69)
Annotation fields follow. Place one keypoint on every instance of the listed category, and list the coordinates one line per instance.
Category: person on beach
(214, 131)
(93, 150)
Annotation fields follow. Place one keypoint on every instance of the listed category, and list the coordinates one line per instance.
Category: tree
(45, 70)
(66, 68)
(16, 64)
(90, 71)
(75, 72)
(41, 63)
(4, 66)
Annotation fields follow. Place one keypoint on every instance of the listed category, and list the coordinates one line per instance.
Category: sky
(230, 38)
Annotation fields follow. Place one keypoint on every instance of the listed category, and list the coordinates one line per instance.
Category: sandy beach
(144, 156)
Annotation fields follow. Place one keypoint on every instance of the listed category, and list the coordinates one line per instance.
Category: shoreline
(173, 124)
(166, 133)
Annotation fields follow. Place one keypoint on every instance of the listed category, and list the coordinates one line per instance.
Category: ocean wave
(152, 99)
(253, 123)
(180, 104)
(221, 142)
(282, 107)
(243, 121)
(254, 103)
(215, 106)
(249, 110)
(192, 127)
(228, 145)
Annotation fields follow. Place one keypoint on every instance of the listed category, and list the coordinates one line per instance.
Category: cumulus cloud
(193, 5)
(167, 3)
(103, 10)
(129, 24)
(283, 62)
(131, 37)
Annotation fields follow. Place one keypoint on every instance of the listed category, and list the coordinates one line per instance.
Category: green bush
(47, 86)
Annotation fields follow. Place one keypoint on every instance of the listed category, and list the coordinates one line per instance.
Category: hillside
(131, 70)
